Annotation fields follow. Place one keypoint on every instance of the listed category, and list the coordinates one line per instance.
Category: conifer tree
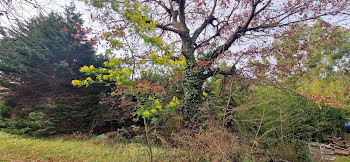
(38, 60)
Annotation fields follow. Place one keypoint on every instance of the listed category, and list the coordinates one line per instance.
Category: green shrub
(277, 116)
(34, 124)
(4, 113)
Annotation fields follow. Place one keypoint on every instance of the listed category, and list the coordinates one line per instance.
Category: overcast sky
(22, 11)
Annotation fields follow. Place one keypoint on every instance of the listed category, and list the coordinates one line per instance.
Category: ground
(18, 148)
(14, 147)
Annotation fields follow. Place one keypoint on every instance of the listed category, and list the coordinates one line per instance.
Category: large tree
(38, 60)
(43, 49)
(203, 31)
(314, 60)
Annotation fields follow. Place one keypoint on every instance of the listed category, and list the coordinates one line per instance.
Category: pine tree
(38, 60)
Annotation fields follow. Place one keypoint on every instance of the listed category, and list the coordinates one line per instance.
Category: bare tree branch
(263, 8)
(207, 20)
(211, 38)
(277, 24)
(166, 27)
(237, 34)
(168, 10)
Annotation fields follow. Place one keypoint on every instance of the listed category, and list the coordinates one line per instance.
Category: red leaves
(204, 64)
(201, 3)
(80, 34)
(65, 30)
(326, 100)
(144, 86)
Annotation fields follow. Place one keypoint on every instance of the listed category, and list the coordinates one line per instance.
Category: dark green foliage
(192, 84)
(5, 112)
(40, 58)
(41, 51)
(301, 149)
(224, 95)
(33, 124)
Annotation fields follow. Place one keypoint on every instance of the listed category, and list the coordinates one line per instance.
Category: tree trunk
(193, 84)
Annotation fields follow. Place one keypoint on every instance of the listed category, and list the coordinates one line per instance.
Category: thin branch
(276, 24)
(263, 8)
(209, 39)
(207, 21)
(166, 27)
(227, 104)
(217, 33)
(169, 11)
(237, 34)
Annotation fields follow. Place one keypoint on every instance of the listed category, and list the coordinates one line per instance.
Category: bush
(5, 112)
(294, 150)
(33, 124)
(272, 117)
(64, 116)
(213, 143)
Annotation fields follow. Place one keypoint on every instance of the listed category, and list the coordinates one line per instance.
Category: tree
(315, 60)
(43, 49)
(319, 50)
(38, 60)
(202, 32)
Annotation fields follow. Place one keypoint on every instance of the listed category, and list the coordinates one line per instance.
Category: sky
(25, 11)
(22, 11)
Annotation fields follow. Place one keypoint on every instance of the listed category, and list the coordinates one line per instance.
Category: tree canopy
(202, 32)
(42, 49)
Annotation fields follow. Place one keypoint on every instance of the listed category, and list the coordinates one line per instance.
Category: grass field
(14, 147)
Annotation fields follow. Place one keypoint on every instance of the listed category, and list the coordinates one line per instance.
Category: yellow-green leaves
(146, 114)
(116, 43)
(97, 4)
(115, 6)
(173, 103)
(176, 64)
(205, 94)
(85, 69)
(113, 62)
(137, 16)
(109, 74)
(154, 107)
(77, 83)
(156, 101)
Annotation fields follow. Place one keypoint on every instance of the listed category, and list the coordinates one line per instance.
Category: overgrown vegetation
(184, 101)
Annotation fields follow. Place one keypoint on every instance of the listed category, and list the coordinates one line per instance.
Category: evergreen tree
(43, 50)
(38, 60)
